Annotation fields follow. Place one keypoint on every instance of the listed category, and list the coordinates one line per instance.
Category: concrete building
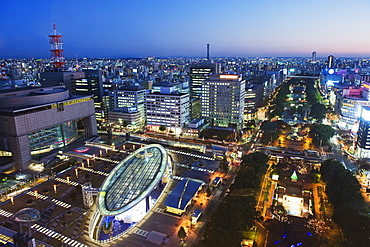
(348, 104)
(169, 108)
(36, 120)
(253, 100)
(130, 101)
(223, 99)
(61, 77)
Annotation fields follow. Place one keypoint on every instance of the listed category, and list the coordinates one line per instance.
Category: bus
(216, 182)
(195, 216)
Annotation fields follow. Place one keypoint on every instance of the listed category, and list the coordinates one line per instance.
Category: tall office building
(92, 84)
(253, 99)
(313, 56)
(363, 134)
(330, 61)
(169, 108)
(198, 74)
(129, 105)
(223, 99)
(37, 120)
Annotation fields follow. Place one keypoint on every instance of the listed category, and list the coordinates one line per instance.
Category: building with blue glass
(363, 134)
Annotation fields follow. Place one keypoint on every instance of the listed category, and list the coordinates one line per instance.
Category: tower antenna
(56, 48)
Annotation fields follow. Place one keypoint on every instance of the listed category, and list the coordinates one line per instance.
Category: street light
(55, 188)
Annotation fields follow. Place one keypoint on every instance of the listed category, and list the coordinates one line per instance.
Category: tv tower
(56, 48)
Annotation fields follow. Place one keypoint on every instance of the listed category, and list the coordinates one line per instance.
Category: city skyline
(145, 28)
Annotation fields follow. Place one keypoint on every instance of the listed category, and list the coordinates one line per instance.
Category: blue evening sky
(110, 28)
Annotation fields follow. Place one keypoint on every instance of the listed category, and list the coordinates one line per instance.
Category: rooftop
(132, 180)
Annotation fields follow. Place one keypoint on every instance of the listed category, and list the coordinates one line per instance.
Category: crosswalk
(6, 213)
(141, 232)
(94, 171)
(43, 197)
(58, 236)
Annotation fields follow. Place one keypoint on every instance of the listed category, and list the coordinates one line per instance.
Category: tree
(321, 133)
(224, 164)
(181, 233)
(124, 124)
(162, 128)
(318, 111)
(208, 191)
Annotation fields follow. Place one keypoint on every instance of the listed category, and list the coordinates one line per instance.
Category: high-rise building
(330, 61)
(168, 108)
(37, 120)
(363, 134)
(253, 99)
(313, 57)
(92, 84)
(129, 100)
(198, 74)
(223, 99)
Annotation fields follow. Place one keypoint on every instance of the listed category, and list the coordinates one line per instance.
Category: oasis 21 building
(130, 190)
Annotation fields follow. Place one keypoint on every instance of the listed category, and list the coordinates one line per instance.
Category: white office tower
(168, 108)
(223, 100)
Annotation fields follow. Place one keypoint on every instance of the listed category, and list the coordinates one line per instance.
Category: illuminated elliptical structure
(56, 43)
(128, 193)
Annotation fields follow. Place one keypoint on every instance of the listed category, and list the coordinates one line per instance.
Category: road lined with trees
(236, 214)
(350, 211)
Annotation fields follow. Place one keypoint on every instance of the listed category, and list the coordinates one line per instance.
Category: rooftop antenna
(56, 48)
(207, 51)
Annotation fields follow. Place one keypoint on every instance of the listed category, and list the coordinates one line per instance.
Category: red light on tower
(56, 48)
(3, 72)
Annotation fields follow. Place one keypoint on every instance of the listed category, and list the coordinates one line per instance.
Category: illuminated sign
(229, 77)
(366, 85)
(331, 71)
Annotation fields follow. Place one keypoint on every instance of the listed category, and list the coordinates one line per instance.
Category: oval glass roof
(132, 179)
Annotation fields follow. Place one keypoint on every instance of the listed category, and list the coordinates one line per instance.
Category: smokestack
(207, 51)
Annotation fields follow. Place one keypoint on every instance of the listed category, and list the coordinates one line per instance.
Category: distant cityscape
(145, 151)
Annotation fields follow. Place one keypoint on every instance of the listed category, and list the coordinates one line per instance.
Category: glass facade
(54, 137)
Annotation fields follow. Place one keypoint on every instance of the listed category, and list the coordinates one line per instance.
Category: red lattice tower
(3, 72)
(56, 43)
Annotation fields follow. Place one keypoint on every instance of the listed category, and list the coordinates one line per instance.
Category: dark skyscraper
(313, 56)
(330, 61)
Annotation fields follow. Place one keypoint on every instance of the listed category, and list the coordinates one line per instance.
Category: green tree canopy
(350, 210)
(318, 111)
(321, 132)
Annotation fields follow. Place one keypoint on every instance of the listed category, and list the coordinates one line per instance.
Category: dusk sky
(116, 28)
